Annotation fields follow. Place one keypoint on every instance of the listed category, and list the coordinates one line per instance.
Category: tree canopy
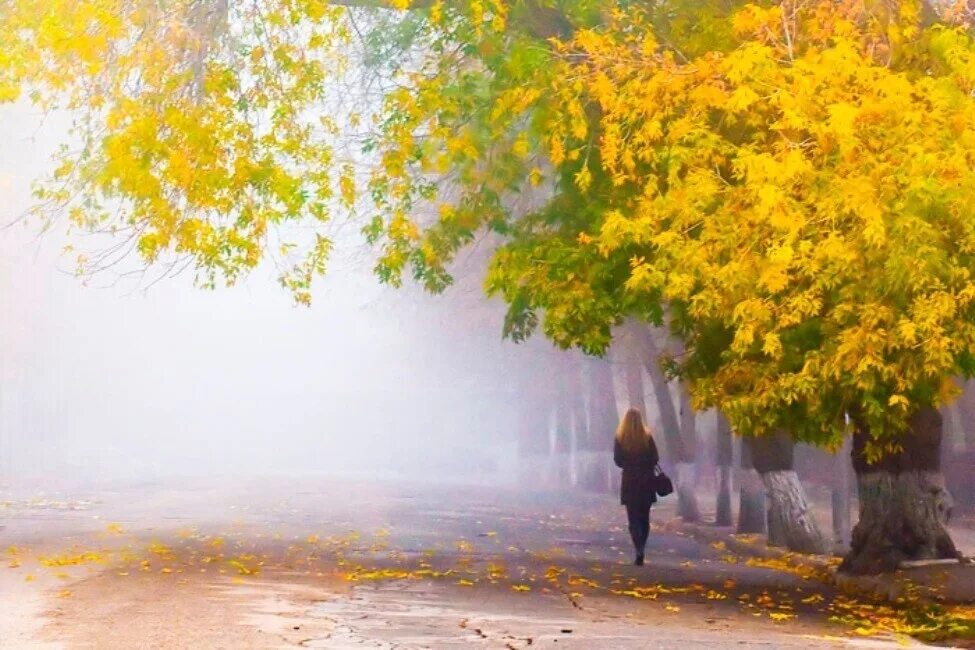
(786, 184)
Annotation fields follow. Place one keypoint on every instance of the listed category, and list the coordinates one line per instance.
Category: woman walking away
(636, 453)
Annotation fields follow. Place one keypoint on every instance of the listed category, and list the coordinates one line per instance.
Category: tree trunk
(751, 499)
(725, 453)
(842, 487)
(634, 385)
(966, 413)
(661, 391)
(904, 504)
(600, 427)
(686, 482)
(562, 449)
(790, 520)
(678, 451)
(536, 404)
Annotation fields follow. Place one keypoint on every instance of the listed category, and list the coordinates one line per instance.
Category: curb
(749, 545)
(946, 583)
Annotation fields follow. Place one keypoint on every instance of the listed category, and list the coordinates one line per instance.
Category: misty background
(120, 379)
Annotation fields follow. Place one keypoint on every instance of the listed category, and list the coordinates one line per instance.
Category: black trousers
(639, 518)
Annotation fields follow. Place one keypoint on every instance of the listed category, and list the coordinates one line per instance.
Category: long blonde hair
(632, 434)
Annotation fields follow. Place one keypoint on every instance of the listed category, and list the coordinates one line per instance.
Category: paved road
(336, 564)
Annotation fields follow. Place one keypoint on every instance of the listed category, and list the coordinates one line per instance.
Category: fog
(120, 379)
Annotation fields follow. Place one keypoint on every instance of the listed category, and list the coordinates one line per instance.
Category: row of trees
(571, 421)
(784, 187)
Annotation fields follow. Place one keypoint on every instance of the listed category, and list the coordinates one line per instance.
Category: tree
(752, 517)
(602, 419)
(785, 185)
(678, 427)
(804, 282)
(790, 520)
(725, 454)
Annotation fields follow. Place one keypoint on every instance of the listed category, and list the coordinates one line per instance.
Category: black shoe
(639, 560)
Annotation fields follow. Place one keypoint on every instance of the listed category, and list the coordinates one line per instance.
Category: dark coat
(636, 488)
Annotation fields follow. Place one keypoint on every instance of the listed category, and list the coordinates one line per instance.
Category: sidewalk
(943, 582)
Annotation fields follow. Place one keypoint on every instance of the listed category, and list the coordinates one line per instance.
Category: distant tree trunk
(600, 426)
(536, 405)
(678, 452)
(841, 490)
(966, 413)
(790, 520)
(904, 504)
(686, 479)
(631, 358)
(751, 501)
(661, 391)
(533, 418)
(603, 416)
(634, 385)
(724, 456)
(570, 394)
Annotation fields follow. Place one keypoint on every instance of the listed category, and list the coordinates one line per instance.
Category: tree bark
(966, 413)
(677, 432)
(751, 499)
(841, 490)
(661, 391)
(725, 453)
(634, 385)
(791, 523)
(904, 503)
(602, 419)
(686, 482)
(603, 416)
(562, 449)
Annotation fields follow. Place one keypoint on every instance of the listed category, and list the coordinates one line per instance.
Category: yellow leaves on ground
(523, 572)
(72, 559)
(795, 566)
(911, 616)
(246, 565)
